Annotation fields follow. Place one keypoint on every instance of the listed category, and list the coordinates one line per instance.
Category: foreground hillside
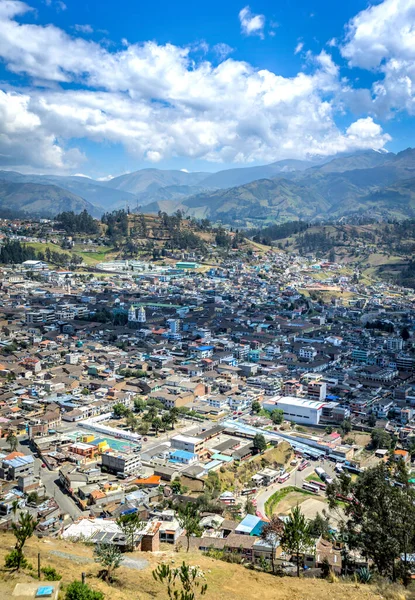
(225, 581)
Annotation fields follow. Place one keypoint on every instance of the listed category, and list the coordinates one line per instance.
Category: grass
(225, 581)
(236, 477)
(272, 502)
(313, 477)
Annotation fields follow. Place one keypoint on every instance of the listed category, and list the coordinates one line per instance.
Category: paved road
(50, 480)
(296, 479)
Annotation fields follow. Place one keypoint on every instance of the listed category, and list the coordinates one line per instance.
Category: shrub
(364, 575)
(14, 560)
(51, 574)
(81, 591)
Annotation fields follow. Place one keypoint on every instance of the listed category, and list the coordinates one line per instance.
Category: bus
(248, 491)
(303, 465)
(310, 487)
(283, 478)
(320, 485)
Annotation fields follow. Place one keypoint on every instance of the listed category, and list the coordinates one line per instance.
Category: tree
(189, 518)
(183, 583)
(371, 421)
(174, 416)
(23, 530)
(259, 442)
(256, 407)
(11, 439)
(143, 427)
(139, 405)
(277, 416)
(81, 591)
(156, 424)
(405, 335)
(380, 515)
(166, 420)
(110, 557)
(130, 525)
(380, 439)
(250, 508)
(271, 533)
(120, 410)
(320, 526)
(296, 537)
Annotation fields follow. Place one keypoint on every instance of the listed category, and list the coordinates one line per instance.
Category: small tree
(259, 442)
(110, 557)
(296, 538)
(256, 407)
(156, 424)
(12, 441)
(130, 525)
(183, 583)
(81, 591)
(277, 416)
(22, 531)
(189, 519)
(271, 533)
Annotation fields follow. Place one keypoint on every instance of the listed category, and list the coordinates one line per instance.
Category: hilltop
(225, 581)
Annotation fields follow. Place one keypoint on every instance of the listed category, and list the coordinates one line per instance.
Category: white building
(136, 314)
(298, 410)
(188, 443)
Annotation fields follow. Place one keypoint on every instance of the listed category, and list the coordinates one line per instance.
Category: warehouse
(298, 410)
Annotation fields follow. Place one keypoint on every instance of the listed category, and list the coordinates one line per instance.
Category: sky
(101, 88)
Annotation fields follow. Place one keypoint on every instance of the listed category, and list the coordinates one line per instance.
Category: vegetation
(50, 574)
(81, 591)
(296, 537)
(22, 531)
(74, 223)
(259, 442)
(185, 582)
(110, 558)
(271, 533)
(130, 525)
(189, 518)
(380, 516)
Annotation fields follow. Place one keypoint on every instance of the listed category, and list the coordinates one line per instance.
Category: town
(242, 386)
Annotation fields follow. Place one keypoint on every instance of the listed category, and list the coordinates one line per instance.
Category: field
(237, 477)
(225, 581)
(285, 499)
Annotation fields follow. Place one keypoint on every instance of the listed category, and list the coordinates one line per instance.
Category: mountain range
(374, 183)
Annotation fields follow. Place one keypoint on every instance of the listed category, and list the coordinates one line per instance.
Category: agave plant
(364, 575)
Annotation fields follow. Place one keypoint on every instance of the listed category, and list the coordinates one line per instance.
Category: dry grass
(225, 581)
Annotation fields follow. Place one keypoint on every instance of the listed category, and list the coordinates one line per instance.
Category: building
(298, 410)
(394, 344)
(136, 315)
(194, 445)
(121, 464)
(317, 390)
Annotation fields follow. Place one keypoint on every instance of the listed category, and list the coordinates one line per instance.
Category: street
(296, 479)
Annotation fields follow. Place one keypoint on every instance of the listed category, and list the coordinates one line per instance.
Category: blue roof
(249, 524)
(203, 348)
(182, 454)
(19, 461)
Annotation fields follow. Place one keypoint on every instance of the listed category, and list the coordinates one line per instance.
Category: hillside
(95, 192)
(150, 180)
(225, 581)
(265, 199)
(38, 199)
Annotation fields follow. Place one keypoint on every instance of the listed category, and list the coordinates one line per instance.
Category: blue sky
(102, 88)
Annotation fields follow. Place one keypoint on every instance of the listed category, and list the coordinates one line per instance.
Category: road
(296, 479)
(50, 480)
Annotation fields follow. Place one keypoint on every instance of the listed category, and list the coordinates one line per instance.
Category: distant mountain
(150, 180)
(38, 199)
(357, 160)
(234, 177)
(95, 192)
(265, 199)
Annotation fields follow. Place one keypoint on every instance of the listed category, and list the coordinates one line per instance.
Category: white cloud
(298, 47)
(83, 28)
(159, 102)
(222, 50)
(251, 24)
(382, 38)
